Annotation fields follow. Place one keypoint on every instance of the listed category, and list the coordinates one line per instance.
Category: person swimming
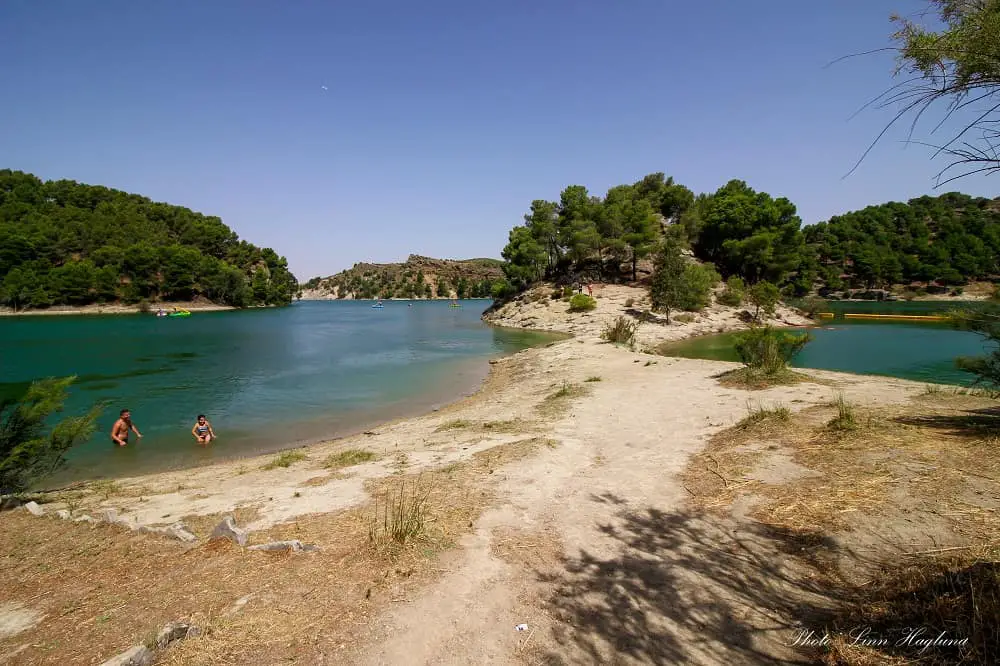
(202, 431)
(122, 427)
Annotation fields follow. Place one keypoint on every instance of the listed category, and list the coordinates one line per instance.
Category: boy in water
(202, 431)
(121, 428)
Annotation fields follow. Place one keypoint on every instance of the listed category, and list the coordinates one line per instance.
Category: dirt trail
(608, 495)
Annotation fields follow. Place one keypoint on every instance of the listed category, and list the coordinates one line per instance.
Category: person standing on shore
(121, 428)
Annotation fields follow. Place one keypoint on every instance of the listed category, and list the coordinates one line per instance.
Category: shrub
(144, 306)
(685, 318)
(811, 306)
(403, 517)
(665, 285)
(556, 294)
(621, 331)
(567, 292)
(768, 351)
(629, 302)
(733, 294)
(764, 297)
(581, 303)
(697, 281)
(679, 285)
(845, 419)
(348, 458)
(29, 450)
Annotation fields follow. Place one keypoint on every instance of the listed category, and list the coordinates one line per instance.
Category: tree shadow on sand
(681, 587)
(967, 423)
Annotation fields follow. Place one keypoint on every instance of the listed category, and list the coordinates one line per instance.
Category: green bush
(811, 306)
(768, 351)
(733, 294)
(697, 282)
(567, 292)
(581, 303)
(764, 296)
(31, 446)
(679, 285)
(621, 331)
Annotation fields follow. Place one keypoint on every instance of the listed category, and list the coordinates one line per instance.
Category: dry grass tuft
(285, 459)
(845, 420)
(348, 457)
(753, 380)
(454, 424)
(402, 519)
(762, 416)
(508, 426)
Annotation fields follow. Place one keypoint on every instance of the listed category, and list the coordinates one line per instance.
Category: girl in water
(202, 431)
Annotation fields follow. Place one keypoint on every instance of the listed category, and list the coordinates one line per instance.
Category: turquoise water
(922, 352)
(266, 379)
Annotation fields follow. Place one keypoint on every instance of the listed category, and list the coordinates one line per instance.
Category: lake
(918, 351)
(266, 378)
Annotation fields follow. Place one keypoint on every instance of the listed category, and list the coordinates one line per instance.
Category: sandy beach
(538, 478)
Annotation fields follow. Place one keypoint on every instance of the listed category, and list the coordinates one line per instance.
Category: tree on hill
(948, 239)
(63, 242)
(749, 234)
(584, 234)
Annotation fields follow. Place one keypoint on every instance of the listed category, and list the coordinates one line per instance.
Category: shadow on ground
(680, 587)
(966, 423)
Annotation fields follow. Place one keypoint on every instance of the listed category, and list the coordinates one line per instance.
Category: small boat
(378, 306)
(179, 313)
(454, 304)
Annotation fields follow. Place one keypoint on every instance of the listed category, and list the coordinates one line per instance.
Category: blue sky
(443, 119)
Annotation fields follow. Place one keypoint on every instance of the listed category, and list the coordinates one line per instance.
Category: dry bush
(621, 331)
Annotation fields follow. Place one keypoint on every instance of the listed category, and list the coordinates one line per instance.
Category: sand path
(613, 474)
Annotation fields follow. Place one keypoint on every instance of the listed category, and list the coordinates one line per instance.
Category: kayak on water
(178, 313)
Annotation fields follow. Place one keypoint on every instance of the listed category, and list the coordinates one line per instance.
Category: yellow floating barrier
(825, 315)
(901, 317)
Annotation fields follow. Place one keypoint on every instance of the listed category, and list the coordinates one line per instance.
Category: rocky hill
(417, 277)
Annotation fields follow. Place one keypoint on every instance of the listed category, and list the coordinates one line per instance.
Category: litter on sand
(521, 627)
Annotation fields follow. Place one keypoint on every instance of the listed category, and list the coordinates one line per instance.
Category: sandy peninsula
(558, 525)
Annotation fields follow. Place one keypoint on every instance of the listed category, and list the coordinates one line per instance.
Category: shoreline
(119, 309)
(498, 385)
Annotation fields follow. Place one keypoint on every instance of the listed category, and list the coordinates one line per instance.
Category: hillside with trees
(928, 243)
(67, 243)
(417, 277)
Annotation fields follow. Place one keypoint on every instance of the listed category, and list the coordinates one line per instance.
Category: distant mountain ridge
(417, 277)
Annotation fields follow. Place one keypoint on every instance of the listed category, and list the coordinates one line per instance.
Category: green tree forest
(66, 243)
(945, 240)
